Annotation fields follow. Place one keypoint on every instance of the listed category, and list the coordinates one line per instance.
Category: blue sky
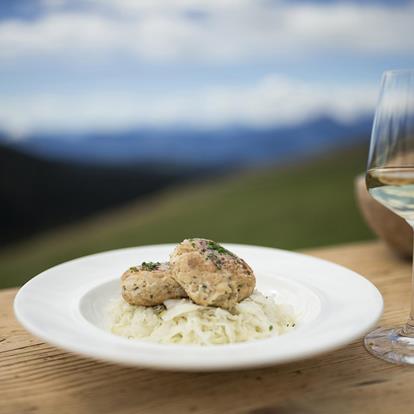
(88, 65)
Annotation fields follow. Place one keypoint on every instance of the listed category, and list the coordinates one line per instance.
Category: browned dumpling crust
(210, 274)
(150, 284)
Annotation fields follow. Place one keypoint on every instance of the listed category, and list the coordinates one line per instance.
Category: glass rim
(398, 71)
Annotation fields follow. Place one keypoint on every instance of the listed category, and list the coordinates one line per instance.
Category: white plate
(65, 306)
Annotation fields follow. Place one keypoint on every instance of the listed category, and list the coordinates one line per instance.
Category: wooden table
(38, 378)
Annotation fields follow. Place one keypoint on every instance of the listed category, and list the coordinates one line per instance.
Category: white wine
(394, 188)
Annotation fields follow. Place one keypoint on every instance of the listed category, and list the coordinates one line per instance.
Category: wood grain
(37, 378)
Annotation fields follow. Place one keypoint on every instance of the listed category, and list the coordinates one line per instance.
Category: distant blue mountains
(227, 147)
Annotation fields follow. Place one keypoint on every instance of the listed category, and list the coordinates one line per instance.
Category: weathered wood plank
(37, 378)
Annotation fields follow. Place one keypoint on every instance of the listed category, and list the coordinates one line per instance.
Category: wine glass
(390, 180)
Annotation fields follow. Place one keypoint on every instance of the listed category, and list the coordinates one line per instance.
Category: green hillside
(294, 207)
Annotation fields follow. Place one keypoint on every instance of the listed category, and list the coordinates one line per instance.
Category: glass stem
(408, 329)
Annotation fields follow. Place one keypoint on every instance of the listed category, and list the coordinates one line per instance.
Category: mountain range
(236, 146)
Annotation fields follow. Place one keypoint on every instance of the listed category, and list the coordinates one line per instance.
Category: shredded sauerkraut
(180, 321)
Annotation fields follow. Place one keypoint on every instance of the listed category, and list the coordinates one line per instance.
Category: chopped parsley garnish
(150, 265)
(218, 248)
(213, 252)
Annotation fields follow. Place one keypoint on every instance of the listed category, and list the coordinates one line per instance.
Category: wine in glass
(390, 180)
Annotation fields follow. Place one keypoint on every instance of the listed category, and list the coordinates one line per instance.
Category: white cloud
(273, 100)
(221, 31)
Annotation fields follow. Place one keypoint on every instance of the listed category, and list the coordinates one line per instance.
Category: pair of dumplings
(200, 269)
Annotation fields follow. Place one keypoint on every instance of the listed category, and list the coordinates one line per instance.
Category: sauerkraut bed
(180, 321)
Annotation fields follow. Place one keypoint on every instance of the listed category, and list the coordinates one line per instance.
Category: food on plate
(150, 284)
(205, 295)
(210, 274)
(180, 321)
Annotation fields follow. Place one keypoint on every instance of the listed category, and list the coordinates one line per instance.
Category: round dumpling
(210, 274)
(150, 284)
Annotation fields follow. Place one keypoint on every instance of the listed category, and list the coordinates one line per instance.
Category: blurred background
(127, 122)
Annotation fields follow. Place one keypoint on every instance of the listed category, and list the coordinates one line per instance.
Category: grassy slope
(290, 208)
